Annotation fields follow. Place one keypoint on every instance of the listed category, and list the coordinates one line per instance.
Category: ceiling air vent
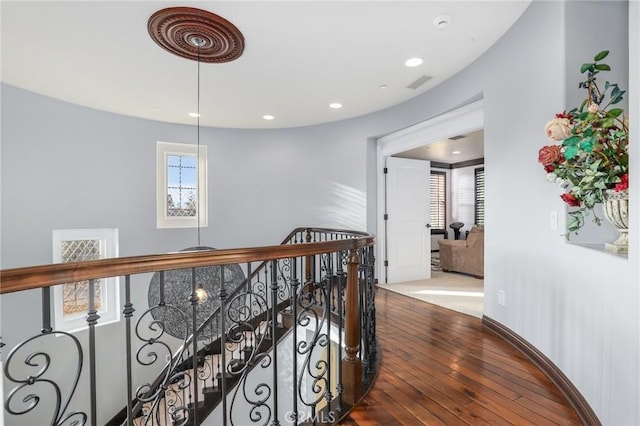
(419, 82)
(455, 138)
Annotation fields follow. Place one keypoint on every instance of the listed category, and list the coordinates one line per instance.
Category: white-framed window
(71, 300)
(181, 185)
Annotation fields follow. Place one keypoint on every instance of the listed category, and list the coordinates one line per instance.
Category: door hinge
(386, 263)
(385, 170)
(386, 217)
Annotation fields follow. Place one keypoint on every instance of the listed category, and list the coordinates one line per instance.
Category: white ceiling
(467, 147)
(299, 56)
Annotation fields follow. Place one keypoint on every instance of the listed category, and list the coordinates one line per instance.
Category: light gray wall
(580, 47)
(95, 169)
(65, 166)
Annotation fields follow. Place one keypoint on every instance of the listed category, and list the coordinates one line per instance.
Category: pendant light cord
(199, 209)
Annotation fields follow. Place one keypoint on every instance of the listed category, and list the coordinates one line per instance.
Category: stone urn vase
(616, 210)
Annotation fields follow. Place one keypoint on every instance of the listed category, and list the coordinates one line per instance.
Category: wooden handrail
(27, 278)
(345, 232)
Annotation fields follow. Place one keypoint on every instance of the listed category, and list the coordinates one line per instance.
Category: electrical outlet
(501, 297)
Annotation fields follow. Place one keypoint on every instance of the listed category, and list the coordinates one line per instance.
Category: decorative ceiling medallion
(180, 30)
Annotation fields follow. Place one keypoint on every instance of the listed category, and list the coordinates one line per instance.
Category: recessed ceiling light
(383, 86)
(441, 21)
(194, 114)
(154, 108)
(456, 152)
(268, 117)
(413, 62)
(335, 105)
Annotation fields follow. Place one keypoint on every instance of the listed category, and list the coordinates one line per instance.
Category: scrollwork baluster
(295, 283)
(34, 374)
(312, 317)
(274, 325)
(329, 295)
(223, 348)
(46, 310)
(340, 311)
(128, 313)
(252, 304)
(92, 320)
(152, 395)
(194, 341)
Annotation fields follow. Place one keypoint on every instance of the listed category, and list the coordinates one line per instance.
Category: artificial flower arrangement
(591, 154)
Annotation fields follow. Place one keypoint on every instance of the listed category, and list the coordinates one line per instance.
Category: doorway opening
(430, 141)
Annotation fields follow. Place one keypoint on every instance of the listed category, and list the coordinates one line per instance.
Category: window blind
(438, 201)
(479, 190)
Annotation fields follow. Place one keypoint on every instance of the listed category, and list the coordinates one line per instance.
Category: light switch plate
(553, 220)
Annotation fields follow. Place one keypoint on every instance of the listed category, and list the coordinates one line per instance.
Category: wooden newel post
(352, 365)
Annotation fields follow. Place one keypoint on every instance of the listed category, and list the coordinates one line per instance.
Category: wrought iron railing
(292, 342)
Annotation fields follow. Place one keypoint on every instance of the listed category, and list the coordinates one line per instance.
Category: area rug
(458, 292)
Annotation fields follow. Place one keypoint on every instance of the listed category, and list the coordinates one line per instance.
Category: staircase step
(280, 331)
(246, 352)
(188, 363)
(238, 330)
(213, 348)
(212, 391)
(236, 365)
(287, 319)
(227, 376)
(201, 405)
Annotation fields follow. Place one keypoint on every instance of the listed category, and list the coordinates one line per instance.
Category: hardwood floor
(440, 368)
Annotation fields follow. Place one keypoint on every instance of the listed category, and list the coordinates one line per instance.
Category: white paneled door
(408, 235)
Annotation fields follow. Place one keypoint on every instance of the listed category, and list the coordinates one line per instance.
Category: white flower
(562, 183)
(551, 177)
(558, 129)
(593, 108)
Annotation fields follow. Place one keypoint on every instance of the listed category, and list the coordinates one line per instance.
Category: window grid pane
(438, 201)
(76, 295)
(182, 175)
(479, 190)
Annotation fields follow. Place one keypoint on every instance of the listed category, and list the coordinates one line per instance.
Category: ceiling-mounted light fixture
(216, 39)
(413, 62)
(203, 37)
